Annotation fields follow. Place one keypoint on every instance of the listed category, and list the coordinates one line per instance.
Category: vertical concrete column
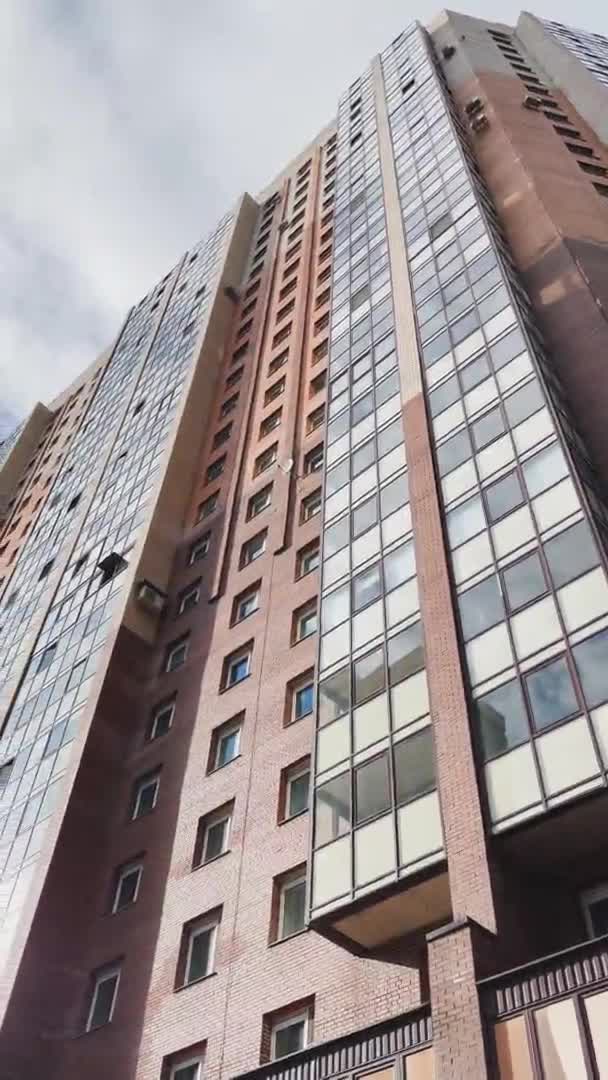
(458, 1034)
(465, 842)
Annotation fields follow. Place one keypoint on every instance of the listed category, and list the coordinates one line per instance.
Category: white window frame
(141, 786)
(295, 774)
(182, 643)
(235, 659)
(280, 1025)
(284, 887)
(175, 1069)
(306, 515)
(194, 932)
(125, 871)
(296, 690)
(216, 818)
(157, 712)
(304, 614)
(193, 590)
(253, 511)
(100, 978)
(221, 735)
(250, 594)
(308, 552)
(248, 558)
(196, 550)
(587, 898)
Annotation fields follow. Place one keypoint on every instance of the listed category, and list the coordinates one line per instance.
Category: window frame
(289, 881)
(100, 976)
(252, 512)
(314, 498)
(167, 705)
(587, 898)
(122, 872)
(194, 555)
(252, 591)
(223, 731)
(279, 1024)
(311, 549)
(139, 786)
(196, 929)
(293, 773)
(245, 558)
(194, 589)
(173, 647)
(302, 613)
(175, 1069)
(221, 816)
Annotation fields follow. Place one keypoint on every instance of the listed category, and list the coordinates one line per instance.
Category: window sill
(225, 689)
(218, 768)
(209, 862)
(286, 820)
(195, 982)
(288, 937)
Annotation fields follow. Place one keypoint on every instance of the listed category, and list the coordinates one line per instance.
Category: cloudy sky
(129, 126)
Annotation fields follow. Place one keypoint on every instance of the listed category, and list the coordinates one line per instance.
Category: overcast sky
(129, 126)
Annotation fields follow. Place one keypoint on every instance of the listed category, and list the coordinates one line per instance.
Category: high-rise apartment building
(304, 613)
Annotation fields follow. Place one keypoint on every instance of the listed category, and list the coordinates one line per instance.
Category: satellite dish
(287, 466)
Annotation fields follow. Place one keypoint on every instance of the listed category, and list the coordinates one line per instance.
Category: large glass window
(501, 719)
(590, 657)
(551, 694)
(414, 766)
(372, 791)
(332, 809)
(369, 675)
(571, 553)
(334, 696)
(524, 581)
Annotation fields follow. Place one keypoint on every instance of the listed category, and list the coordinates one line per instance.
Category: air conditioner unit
(480, 122)
(447, 52)
(531, 102)
(150, 598)
(473, 106)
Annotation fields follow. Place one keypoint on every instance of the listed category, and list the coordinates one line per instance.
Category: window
(317, 385)
(225, 743)
(198, 944)
(307, 559)
(372, 790)
(369, 675)
(524, 581)
(305, 621)
(162, 719)
(313, 460)
(213, 835)
(222, 436)
(230, 403)
(270, 423)
(277, 363)
(290, 1035)
(595, 910)
(46, 658)
(265, 459)
(292, 903)
(297, 787)
(332, 809)
(175, 656)
(551, 694)
(246, 603)
(571, 553)
(189, 597)
(315, 419)
(260, 501)
(594, 170)
(233, 379)
(103, 998)
(215, 469)
(199, 549)
(501, 719)
(302, 701)
(480, 607)
(252, 549)
(237, 666)
(145, 795)
(274, 391)
(414, 766)
(503, 496)
(188, 1070)
(207, 506)
(310, 506)
(127, 886)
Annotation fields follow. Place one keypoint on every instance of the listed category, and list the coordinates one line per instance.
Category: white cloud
(129, 128)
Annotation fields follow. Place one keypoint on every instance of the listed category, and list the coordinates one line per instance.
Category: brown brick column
(458, 1034)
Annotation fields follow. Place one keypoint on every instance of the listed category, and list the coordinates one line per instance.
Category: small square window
(246, 603)
(310, 506)
(307, 559)
(551, 693)
(414, 766)
(207, 506)
(176, 654)
(199, 549)
(259, 502)
(524, 581)
(289, 1032)
(252, 549)
(297, 790)
(302, 701)
(229, 405)
(198, 949)
(145, 795)
(313, 460)
(225, 743)
(274, 391)
(127, 886)
(237, 666)
(264, 460)
(189, 597)
(213, 835)
(270, 423)
(278, 362)
(305, 621)
(215, 469)
(315, 419)
(103, 998)
(222, 436)
(595, 909)
(291, 889)
(162, 719)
